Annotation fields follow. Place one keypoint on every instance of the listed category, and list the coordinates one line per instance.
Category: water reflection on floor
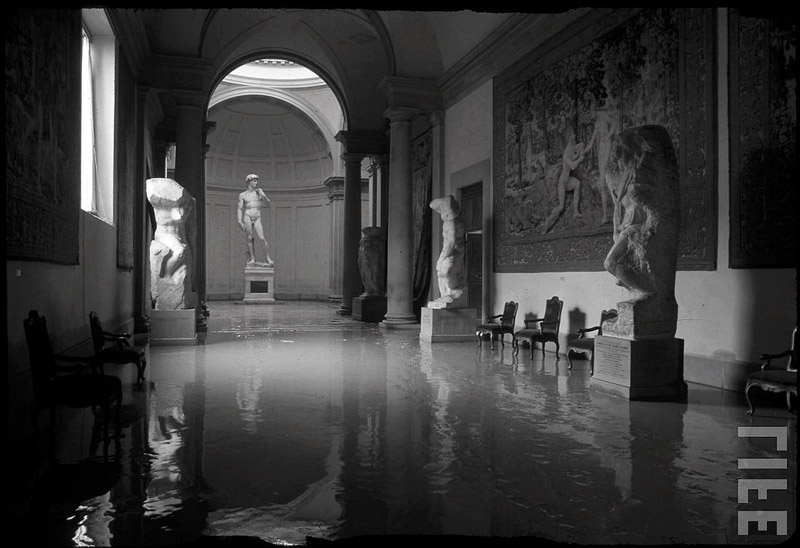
(290, 421)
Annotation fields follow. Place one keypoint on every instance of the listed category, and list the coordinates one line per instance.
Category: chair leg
(747, 397)
(558, 354)
(569, 359)
(591, 363)
(491, 338)
(503, 339)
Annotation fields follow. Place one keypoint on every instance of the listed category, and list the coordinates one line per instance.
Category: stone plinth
(639, 369)
(369, 309)
(259, 285)
(447, 324)
(173, 327)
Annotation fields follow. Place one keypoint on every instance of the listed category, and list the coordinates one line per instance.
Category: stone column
(399, 245)
(336, 200)
(383, 189)
(351, 278)
(140, 236)
(189, 174)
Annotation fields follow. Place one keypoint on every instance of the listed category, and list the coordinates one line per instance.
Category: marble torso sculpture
(171, 256)
(451, 266)
(372, 262)
(642, 176)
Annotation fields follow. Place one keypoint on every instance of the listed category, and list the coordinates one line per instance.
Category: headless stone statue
(371, 262)
(450, 266)
(171, 257)
(642, 176)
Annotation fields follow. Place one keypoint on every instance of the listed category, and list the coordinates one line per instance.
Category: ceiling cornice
(515, 38)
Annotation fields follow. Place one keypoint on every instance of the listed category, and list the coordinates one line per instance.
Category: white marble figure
(372, 262)
(451, 267)
(171, 256)
(248, 214)
(642, 175)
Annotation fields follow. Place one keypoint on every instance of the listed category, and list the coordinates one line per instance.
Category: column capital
(352, 158)
(400, 114)
(191, 99)
(366, 143)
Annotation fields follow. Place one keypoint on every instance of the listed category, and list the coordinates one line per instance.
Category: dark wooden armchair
(499, 325)
(584, 344)
(112, 347)
(776, 379)
(548, 326)
(66, 383)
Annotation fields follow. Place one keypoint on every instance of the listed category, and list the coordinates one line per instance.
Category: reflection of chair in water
(505, 324)
(779, 380)
(584, 344)
(77, 389)
(548, 326)
(120, 351)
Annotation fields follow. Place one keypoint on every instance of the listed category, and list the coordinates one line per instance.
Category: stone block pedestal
(369, 309)
(448, 324)
(650, 369)
(173, 327)
(259, 285)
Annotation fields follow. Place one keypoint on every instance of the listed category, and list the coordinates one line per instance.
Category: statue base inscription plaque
(448, 324)
(649, 369)
(173, 327)
(369, 309)
(259, 284)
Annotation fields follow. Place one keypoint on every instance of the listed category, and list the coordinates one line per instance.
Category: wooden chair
(75, 389)
(120, 350)
(548, 326)
(504, 324)
(779, 380)
(584, 344)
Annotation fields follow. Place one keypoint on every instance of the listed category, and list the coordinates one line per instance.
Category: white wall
(725, 317)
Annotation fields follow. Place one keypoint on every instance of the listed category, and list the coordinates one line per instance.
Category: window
(97, 115)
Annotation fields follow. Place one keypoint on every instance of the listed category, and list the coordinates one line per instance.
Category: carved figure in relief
(573, 155)
(642, 175)
(606, 126)
(451, 265)
(249, 216)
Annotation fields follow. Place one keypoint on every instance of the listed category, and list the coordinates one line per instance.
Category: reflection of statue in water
(249, 216)
(371, 262)
(171, 258)
(451, 265)
(574, 154)
(642, 175)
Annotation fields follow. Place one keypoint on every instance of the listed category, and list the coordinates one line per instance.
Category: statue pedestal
(173, 327)
(369, 309)
(649, 369)
(448, 324)
(259, 284)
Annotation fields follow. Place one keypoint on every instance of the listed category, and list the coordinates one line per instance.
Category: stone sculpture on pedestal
(448, 318)
(171, 254)
(642, 176)
(451, 268)
(173, 318)
(372, 262)
(638, 355)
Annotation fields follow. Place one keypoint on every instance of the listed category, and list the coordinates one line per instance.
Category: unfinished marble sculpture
(451, 267)
(372, 261)
(171, 256)
(642, 177)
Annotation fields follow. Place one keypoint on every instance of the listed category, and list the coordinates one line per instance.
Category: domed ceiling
(269, 137)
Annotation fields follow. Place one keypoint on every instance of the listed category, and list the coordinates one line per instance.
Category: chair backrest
(606, 315)
(40, 352)
(552, 315)
(97, 332)
(509, 317)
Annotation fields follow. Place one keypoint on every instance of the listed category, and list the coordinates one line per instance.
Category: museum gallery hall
(297, 277)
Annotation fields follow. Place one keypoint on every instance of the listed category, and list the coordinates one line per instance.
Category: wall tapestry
(763, 141)
(555, 113)
(43, 77)
(422, 181)
(126, 152)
